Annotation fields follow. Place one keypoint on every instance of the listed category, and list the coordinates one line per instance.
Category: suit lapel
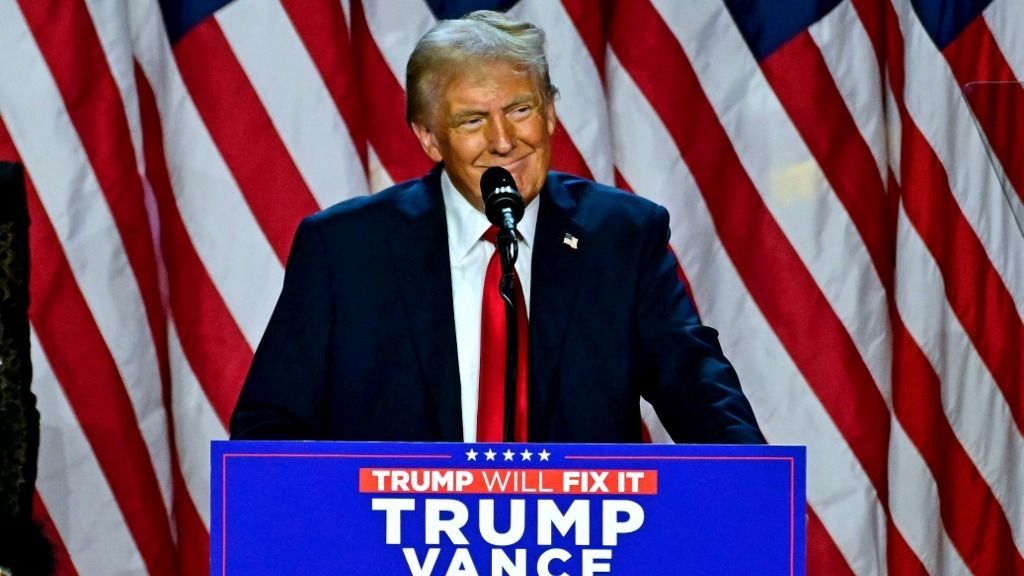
(557, 270)
(419, 245)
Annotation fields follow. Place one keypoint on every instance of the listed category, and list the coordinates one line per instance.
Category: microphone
(502, 202)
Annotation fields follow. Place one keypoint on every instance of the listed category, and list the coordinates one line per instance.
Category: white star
(508, 455)
(471, 455)
(526, 454)
(490, 454)
(544, 455)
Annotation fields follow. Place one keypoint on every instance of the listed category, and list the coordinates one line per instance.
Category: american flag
(845, 180)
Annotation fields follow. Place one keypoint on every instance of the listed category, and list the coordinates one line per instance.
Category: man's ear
(427, 140)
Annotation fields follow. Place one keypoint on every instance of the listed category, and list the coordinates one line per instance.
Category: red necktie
(491, 408)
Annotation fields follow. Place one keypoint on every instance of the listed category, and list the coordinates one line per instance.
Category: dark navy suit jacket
(361, 345)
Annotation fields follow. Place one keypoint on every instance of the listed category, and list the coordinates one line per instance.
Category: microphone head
(499, 191)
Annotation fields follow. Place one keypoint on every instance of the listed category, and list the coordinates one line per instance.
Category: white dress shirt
(469, 254)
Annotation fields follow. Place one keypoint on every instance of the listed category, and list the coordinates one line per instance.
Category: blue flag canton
(451, 9)
(946, 19)
(768, 24)
(180, 16)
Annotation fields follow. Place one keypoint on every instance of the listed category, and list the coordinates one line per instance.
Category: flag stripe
(975, 56)
(923, 414)
(798, 73)
(197, 423)
(926, 195)
(243, 266)
(823, 557)
(974, 286)
(94, 106)
(591, 24)
(295, 97)
(62, 563)
(970, 513)
(89, 377)
(324, 31)
(384, 104)
(858, 410)
(786, 406)
(980, 419)
(193, 536)
(244, 134)
(85, 235)
(1005, 19)
(914, 506)
(194, 302)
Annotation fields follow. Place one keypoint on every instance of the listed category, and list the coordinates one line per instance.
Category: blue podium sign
(343, 508)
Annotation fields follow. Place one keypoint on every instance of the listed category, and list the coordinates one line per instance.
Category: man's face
(490, 114)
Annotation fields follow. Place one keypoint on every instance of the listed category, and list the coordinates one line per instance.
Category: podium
(361, 508)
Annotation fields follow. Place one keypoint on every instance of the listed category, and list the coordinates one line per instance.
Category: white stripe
(379, 177)
(787, 410)
(242, 264)
(300, 106)
(346, 8)
(791, 183)
(654, 426)
(935, 103)
(1005, 18)
(396, 27)
(914, 506)
(894, 129)
(195, 426)
(75, 205)
(582, 110)
(971, 400)
(112, 28)
(73, 486)
(850, 57)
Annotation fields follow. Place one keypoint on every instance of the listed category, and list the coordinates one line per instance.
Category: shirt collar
(466, 224)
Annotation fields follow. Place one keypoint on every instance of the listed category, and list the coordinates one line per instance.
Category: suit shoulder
(369, 207)
(603, 202)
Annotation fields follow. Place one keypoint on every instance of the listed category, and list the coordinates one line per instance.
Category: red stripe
(565, 156)
(244, 134)
(872, 17)
(93, 386)
(322, 28)
(800, 77)
(823, 556)
(900, 558)
(212, 343)
(384, 106)
(63, 565)
(767, 263)
(591, 21)
(975, 291)
(193, 538)
(97, 112)
(972, 516)
(86, 372)
(974, 55)
(970, 282)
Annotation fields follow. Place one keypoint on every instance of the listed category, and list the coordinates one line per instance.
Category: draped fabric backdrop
(834, 209)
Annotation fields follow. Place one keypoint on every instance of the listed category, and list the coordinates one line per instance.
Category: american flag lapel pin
(571, 241)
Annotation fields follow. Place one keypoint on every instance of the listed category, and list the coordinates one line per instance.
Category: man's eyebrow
(524, 99)
(518, 101)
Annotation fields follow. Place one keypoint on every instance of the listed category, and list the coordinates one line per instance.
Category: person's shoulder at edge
(598, 200)
(381, 202)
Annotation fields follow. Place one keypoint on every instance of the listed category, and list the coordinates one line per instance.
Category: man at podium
(390, 327)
